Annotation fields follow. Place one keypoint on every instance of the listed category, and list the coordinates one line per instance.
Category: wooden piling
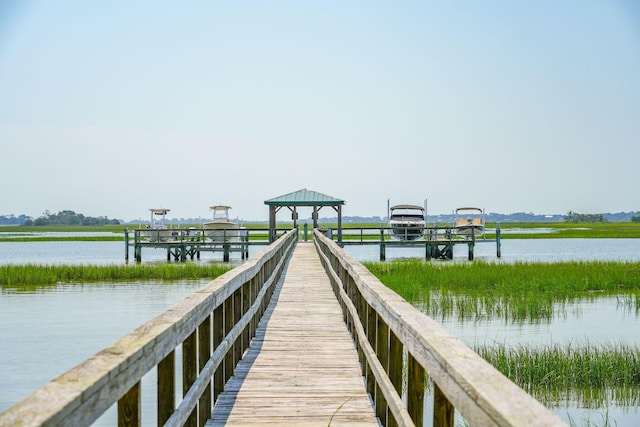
(126, 245)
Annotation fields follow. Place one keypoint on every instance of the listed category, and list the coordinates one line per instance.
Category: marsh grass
(257, 232)
(114, 238)
(592, 374)
(16, 276)
(573, 230)
(559, 229)
(520, 292)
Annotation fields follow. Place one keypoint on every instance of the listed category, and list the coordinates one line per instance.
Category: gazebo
(307, 198)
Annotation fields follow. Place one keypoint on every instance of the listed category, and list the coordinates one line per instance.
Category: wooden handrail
(234, 302)
(381, 321)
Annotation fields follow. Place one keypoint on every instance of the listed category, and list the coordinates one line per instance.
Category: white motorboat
(469, 222)
(157, 231)
(221, 229)
(407, 222)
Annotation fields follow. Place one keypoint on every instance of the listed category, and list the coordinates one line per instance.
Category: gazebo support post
(339, 209)
(272, 224)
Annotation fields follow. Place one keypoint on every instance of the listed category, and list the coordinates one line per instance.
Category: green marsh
(16, 276)
(591, 374)
(514, 292)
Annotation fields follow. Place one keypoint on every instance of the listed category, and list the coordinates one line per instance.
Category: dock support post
(137, 253)
(472, 244)
(225, 255)
(498, 249)
(126, 244)
(382, 246)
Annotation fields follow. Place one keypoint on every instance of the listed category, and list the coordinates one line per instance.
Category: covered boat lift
(306, 198)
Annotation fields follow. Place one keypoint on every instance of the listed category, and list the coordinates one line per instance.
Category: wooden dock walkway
(302, 367)
(306, 351)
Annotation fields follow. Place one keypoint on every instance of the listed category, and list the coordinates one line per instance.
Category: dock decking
(302, 367)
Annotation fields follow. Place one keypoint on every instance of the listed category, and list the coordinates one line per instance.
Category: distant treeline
(578, 217)
(70, 218)
(582, 218)
(14, 220)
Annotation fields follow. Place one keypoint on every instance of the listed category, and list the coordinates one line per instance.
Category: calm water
(45, 333)
(89, 253)
(524, 250)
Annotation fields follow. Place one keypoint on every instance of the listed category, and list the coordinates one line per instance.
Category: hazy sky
(111, 108)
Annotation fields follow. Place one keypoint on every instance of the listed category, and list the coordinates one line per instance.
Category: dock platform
(302, 367)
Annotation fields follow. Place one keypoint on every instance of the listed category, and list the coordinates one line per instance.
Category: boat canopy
(407, 207)
(470, 209)
(159, 211)
(220, 212)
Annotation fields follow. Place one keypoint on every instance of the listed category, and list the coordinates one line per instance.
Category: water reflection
(95, 253)
(519, 250)
(604, 319)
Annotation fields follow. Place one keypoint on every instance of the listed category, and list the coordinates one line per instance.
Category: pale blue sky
(111, 108)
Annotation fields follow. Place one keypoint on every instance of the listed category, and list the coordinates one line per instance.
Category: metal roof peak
(304, 197)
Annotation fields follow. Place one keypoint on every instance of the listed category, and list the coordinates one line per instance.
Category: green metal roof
(304, 197)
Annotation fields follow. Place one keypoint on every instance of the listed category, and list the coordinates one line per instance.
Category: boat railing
(399, 347)
(209, 330)
(200, 234)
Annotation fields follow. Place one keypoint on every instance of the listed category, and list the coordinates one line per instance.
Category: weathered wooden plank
(204, 353)
(302, 367)
(166, 387)
(129, 408)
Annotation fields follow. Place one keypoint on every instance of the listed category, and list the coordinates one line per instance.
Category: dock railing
(398, 343)
(213, 326)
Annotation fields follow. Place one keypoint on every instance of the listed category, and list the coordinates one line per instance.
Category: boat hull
(407, 230)
(469, 226)
(470, 231)
(221, 232)
(407, 222)
(157, 235)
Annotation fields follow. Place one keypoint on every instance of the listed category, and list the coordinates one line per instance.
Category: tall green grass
(33, 274)
(114, 238)
(516, 292)
(572, 230)
(592, 374)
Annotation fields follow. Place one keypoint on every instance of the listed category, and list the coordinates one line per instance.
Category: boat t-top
(157, 231)
(469, 221)
(407, 222)
(221, 229)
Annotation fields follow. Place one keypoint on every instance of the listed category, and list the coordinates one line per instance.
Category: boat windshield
(407, 212)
